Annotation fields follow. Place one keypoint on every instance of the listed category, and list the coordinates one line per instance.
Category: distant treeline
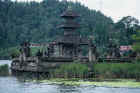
(38, 23)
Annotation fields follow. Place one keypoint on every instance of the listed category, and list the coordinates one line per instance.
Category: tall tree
(126, 27)
(136, 44)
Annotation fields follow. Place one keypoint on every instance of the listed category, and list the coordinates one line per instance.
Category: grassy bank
(105, 75)
(4, 70)
(117, 70)
(100, 71)
(72, 70)
(131, 83)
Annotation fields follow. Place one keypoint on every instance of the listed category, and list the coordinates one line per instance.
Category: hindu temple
(65, 49)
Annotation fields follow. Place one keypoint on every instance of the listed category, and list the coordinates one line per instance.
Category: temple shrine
(65, 49)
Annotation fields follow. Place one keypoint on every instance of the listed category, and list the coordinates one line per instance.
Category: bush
(9, 52)
(72, 70)
(14, 53)
(34, 50)
(4, 70)
(118, 70)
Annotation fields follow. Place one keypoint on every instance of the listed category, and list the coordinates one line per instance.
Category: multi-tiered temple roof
(69, 17)
(69, 13)
(69, 44)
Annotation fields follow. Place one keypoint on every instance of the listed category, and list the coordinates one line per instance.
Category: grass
(4, 70)
(101, 71)
(117, 70)
(131, 83)
(72, 70)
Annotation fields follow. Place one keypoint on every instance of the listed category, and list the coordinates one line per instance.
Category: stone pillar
(22, 56)
(92, 56)
(61, 50)
(79, 52)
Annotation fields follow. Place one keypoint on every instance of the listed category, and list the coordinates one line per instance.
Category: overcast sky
(115, 9)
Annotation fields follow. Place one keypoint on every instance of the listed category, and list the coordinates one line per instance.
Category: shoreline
(122, 83)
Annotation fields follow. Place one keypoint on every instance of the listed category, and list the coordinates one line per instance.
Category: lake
(12, 84)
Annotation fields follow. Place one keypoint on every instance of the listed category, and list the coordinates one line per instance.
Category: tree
(127, 26)
(136, 44)
(39, 22)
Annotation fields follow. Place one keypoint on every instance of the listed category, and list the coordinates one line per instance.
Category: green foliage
(136, 47)
(136, 38)
(38, 23)
(123, 70)
(9, 52)
(34, 50)
(14, 52)
(4, 71)
(73, 69)
(126, 27)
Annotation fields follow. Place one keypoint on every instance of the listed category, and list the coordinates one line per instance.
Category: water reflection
(68, 89)
(3, 62)
(18, 84)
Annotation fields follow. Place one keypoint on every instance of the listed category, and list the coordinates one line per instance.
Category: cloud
(115, 8)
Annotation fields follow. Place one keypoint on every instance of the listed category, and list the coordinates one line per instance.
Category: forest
(39, 23)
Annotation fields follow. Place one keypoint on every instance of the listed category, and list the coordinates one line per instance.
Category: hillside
(38, 23)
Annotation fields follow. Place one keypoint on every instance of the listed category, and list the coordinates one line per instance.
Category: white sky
(115, 9)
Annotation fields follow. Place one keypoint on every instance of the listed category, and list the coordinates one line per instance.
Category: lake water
(12, 84)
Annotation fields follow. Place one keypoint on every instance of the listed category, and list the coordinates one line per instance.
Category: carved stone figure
(25, 49)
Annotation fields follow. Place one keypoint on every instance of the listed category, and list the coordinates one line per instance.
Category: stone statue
(25, 49)
(92, 51)
(39, 53)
